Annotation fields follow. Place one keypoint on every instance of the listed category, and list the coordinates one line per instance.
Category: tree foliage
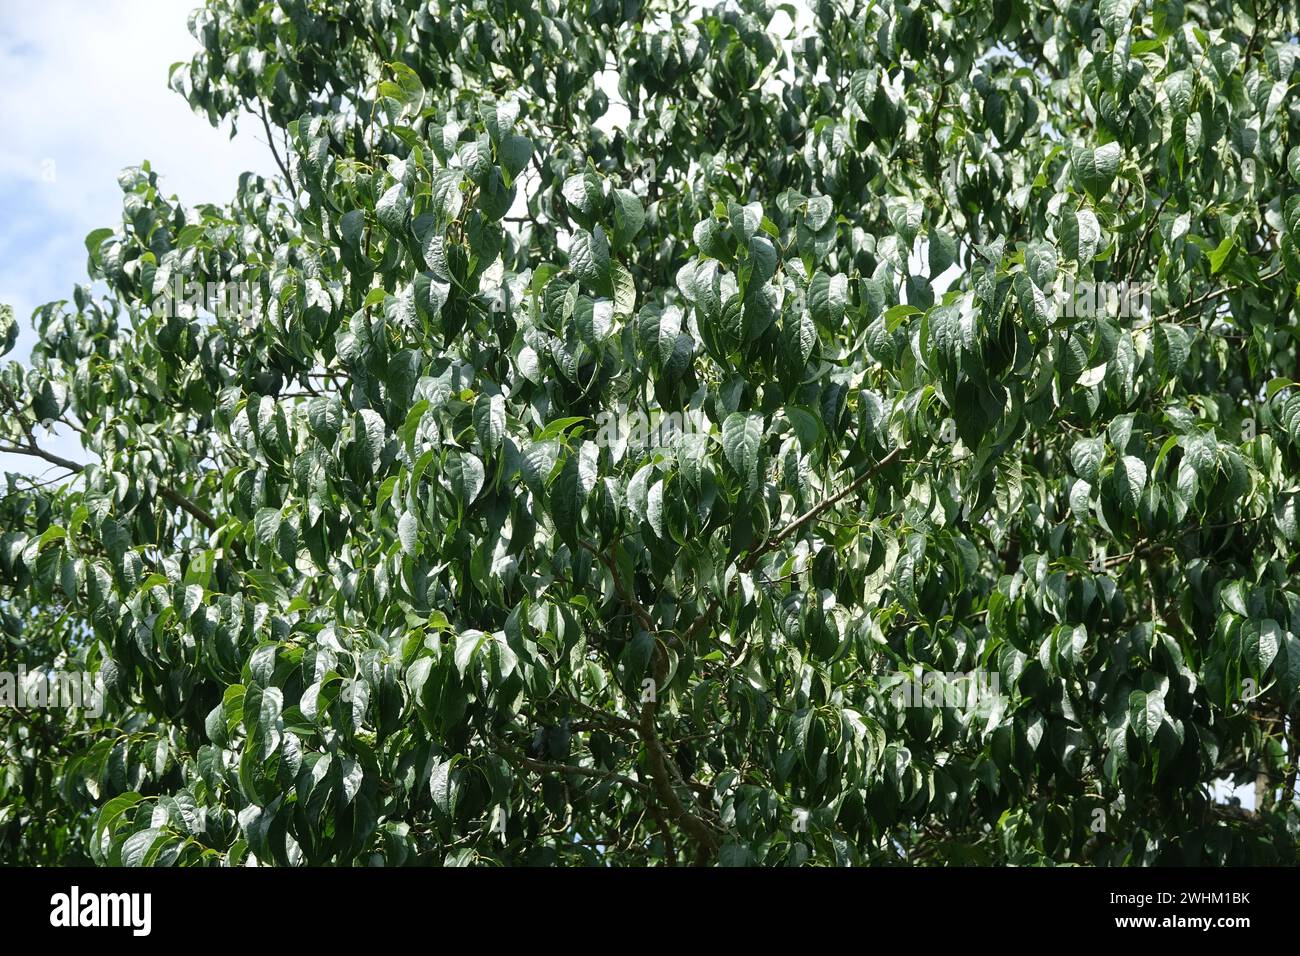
(370, 577)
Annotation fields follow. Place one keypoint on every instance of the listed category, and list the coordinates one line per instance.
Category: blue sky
(85, 94)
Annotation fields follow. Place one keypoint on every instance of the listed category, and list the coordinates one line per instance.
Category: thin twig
(270, 141)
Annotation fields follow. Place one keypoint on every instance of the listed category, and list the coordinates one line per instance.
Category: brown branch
(811, 514)
(1141, 243)
(270, 141)
(626, 596)
(780, 537)
(613, 720)
(1222, 291)
(661, 776)
(182, 502)
(35, 452)
(170, 494)
(663, 788)
(541, 766)
(670, 846)
(1288, 788)
(1224, 811)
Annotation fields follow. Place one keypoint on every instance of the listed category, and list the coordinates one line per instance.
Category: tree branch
(811, 514)
(33, 451)
(776, 540)
(624, 594)
(182, 502)
(542, 766)
(700, 831)
(270, 141)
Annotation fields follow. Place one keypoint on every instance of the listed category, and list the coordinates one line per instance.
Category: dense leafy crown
(375, 570)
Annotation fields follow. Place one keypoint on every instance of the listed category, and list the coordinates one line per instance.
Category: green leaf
(905, 216)
(465, 474)
(262, 708)
(139, 846)
(742, 437)
(585, 197)
(444, 786)
(1219, 255)
(1128, 480)
(515, 151)
(1260, 641)
(572, 489)
(468, 644)
(112, 812)
(827, 300)
(624, 291)
(1116, 15)
(8, 328)
(1096, 169)
(1086, 456)
(941, 252)
(490, 421)
(1080, 234)
(589, 256)
(408, 533)
(659, 332)
(1172, 349)
(629, 217)
(1146, 714)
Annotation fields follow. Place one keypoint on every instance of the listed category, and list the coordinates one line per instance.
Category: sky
(85, 95)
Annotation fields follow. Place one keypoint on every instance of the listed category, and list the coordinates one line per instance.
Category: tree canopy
(637, 419)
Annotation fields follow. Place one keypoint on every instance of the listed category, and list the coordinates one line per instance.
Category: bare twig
(270, 141)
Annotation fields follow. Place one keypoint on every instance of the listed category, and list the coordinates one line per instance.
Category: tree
(630, 434)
